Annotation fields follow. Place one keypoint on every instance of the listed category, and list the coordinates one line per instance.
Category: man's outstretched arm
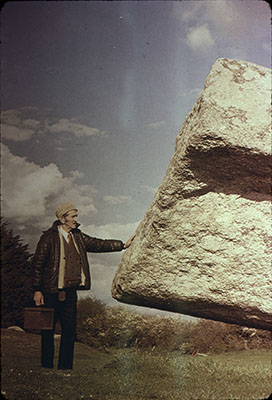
(96, 245)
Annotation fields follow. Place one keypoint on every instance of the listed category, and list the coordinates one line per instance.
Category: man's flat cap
(64, 209)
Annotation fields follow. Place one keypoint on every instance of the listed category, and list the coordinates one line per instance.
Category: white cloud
(12, 132)
(223, 13)
(236, 19)
(24, 186)
(115, 200)
(19, 125)
(16, 127)
(76, 175)
(156, 125)
(186, 11)
(31, 193)
(200, 38)
(31, 123)
(71, 126)
(226, 20)
(112, 231)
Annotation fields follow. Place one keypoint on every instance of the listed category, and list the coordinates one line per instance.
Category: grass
(132, 375)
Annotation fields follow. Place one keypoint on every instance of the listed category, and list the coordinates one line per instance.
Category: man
(60, 268)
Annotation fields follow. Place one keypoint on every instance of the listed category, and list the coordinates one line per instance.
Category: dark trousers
(66, 312)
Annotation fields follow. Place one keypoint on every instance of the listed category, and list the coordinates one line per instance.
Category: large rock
(203, 246)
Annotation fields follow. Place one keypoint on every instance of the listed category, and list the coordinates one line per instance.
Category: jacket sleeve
(39, 261)
(94, 245)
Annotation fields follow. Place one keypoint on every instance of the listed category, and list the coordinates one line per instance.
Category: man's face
(69, 221)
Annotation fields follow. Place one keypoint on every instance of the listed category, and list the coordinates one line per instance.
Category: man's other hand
(39, 299)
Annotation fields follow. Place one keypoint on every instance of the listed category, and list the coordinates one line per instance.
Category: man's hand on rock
(130, 240)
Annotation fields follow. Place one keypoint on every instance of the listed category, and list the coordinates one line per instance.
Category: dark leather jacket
(47, 257)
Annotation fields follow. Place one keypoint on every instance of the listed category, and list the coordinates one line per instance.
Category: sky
(93, 94)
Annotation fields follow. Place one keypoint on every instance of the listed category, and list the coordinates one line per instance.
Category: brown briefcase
(38, 318)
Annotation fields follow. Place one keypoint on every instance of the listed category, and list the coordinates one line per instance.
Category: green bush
(95, 310)
(208, 336)
(103, 327)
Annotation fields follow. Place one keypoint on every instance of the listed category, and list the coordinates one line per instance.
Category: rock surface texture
(203, 247)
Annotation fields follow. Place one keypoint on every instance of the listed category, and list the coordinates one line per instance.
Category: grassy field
(132, 375)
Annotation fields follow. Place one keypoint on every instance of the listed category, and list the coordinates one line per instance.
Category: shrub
(102, 327)
(16, 287)
(90, 309)
(216, 337)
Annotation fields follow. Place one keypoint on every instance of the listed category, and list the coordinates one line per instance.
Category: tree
(16, 285)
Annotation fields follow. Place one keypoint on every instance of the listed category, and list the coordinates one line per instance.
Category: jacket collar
(57, 223)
